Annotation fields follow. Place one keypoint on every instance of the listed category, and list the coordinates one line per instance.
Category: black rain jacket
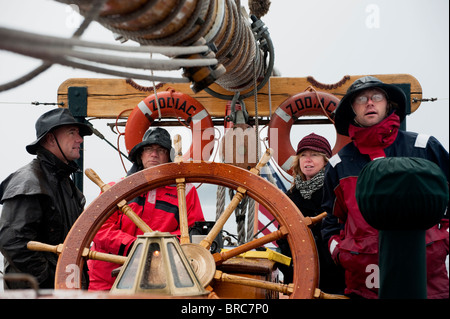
(40, 203)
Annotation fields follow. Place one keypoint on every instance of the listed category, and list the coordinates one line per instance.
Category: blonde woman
(313, 152)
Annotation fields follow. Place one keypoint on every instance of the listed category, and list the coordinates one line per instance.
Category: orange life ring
(301, 104)
(174, 105)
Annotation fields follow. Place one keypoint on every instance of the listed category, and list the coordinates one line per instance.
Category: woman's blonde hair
(296, 167)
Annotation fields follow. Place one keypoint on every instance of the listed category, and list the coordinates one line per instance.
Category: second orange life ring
(301, 104)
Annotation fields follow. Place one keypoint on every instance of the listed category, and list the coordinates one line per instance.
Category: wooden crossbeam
(107, 98)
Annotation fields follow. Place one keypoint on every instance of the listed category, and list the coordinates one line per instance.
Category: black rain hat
(154, 135)
(51, 120)
(344, 114)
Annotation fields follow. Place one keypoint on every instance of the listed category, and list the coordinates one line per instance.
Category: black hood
(344, 114)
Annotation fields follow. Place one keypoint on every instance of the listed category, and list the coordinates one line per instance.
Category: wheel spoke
(263, 161)
(184, 228)
(223, 256)
(122, 205)
(240, 193)
(124, 208)
(181, 192)
(224, 277)
(96, 255)
(90, 254)
(311, 221)
(293, 224)
(207, 241)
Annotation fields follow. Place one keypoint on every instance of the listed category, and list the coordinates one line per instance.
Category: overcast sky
(323, 38)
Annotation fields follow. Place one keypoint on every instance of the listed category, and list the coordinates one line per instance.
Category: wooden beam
(107, 98)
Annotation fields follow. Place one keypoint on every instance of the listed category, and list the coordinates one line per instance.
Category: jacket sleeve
(111, 239)
(332, 201)
(20, 222)
(439, 155)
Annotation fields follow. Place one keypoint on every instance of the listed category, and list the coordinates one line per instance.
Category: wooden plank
(107, 98)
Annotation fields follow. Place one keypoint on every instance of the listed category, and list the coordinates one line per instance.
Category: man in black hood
(40, 201)
(370, 113)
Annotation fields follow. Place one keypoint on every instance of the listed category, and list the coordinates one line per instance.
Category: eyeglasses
(363, 99)
(151, 149)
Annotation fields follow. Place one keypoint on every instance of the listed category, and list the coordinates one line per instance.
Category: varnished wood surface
(286, 213)
(107, 98)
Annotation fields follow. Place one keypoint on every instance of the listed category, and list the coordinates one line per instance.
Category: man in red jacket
(158, 208)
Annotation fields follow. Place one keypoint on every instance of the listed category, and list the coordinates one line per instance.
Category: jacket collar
(55, 165)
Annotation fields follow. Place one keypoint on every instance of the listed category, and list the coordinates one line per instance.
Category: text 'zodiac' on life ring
(301, 104)
(173, 104)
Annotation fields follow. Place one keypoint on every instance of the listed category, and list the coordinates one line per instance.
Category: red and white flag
(266, 222)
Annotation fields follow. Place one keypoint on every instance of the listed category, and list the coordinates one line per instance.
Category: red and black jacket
(159, 209)
(352, 242)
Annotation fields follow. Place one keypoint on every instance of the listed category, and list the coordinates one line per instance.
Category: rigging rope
(184, 24)
(251, 206)
(62, 51)
(96, 6)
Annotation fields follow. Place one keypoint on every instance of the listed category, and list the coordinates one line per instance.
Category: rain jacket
(352, 242)
(159, 209)
(331, 275)
(40, 203)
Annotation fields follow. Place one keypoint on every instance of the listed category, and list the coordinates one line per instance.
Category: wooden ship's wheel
(293, 225)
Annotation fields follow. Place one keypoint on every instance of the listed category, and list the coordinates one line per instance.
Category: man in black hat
(158, 208)
(40, 201)
(141, 155)
(370, 113)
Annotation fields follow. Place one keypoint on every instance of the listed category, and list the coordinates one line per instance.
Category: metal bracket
(77, 100)
(239, 116)
(77, 103)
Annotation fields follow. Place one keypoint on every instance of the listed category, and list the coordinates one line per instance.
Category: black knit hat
(344, 114)
(316, 143)
(54, 119)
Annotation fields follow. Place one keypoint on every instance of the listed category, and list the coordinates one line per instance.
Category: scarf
(307, 188)
(374, 139)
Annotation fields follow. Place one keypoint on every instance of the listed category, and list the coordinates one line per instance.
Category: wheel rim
(300, 239)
